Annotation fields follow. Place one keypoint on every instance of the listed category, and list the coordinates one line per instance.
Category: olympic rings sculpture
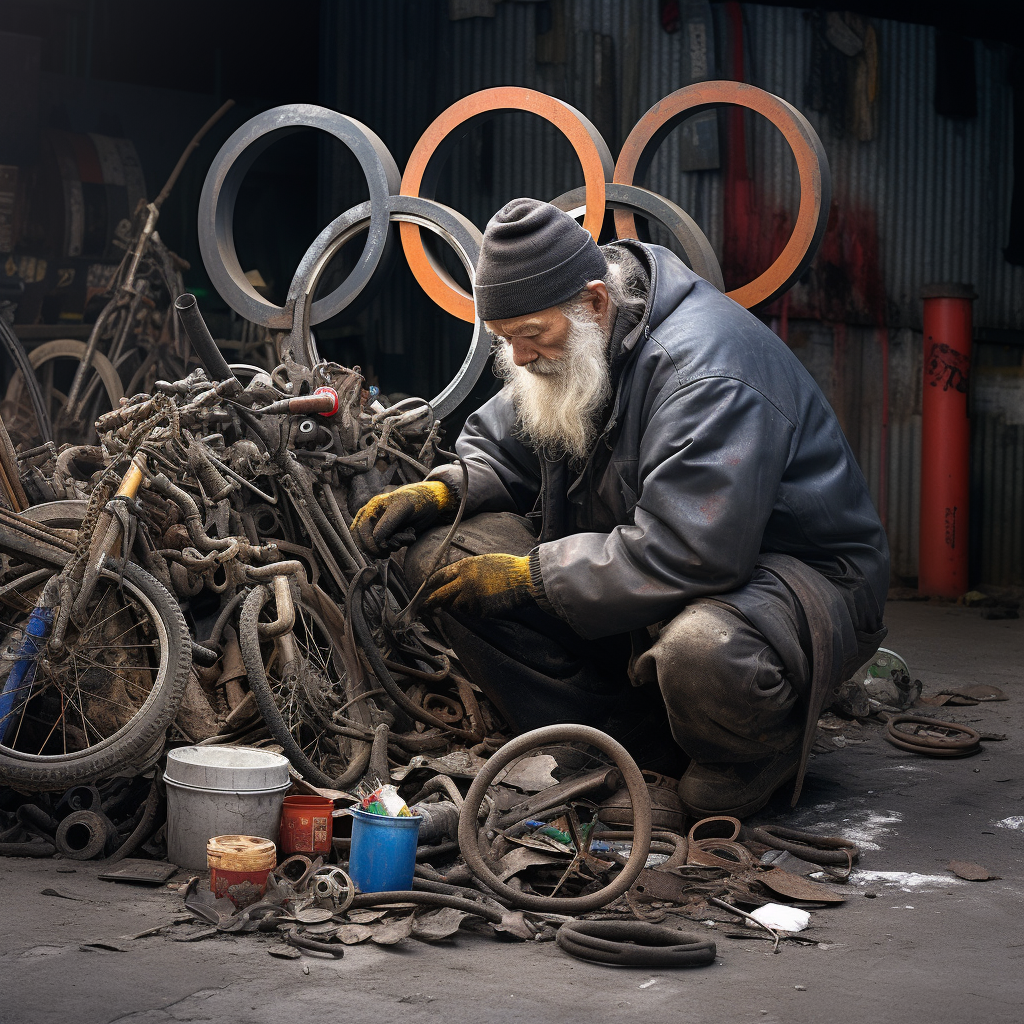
(408, 200)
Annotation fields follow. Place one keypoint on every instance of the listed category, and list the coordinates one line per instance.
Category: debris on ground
(970, 871)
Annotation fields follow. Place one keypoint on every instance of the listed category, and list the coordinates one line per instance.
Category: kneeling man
(667, 535)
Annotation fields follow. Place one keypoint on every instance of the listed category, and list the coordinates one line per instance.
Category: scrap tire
(252, 658)
(130, 745)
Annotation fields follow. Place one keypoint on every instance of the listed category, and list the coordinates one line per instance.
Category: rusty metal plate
(660, 885)
(145, 872)
(796, 887)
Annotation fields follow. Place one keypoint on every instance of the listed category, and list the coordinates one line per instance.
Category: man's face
(538, 339)
(556, 372)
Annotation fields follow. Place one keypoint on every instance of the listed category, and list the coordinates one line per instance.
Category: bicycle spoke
(81, 710)
(109, 700)
(87, 722)
(107, 668)
(24, 709)
(50, 733)
(84, 633)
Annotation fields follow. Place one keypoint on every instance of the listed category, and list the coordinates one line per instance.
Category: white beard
(557, 400)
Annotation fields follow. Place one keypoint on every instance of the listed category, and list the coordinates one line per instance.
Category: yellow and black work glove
(482, 585)
(391, 521)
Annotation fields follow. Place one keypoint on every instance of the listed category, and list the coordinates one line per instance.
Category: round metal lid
(243, 769)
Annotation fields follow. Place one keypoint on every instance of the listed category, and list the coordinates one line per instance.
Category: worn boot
(736, 789)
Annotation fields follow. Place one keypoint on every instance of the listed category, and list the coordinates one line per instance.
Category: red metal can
(306, 825)
(239, 866)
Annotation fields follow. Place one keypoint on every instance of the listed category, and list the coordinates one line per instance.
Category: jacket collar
(670, 281)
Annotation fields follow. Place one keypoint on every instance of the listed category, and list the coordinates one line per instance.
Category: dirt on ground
(912, 943)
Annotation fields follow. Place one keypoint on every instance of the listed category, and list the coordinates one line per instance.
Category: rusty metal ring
(220, 190)
(460, 233)
(733, 823)
(812, 165)
(706, 853)
(684, 229)
(437, 142)
(969, 741)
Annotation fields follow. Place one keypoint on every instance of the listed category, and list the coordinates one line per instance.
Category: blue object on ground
(383, 853)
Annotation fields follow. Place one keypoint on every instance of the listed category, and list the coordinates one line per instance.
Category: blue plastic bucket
(383, 853)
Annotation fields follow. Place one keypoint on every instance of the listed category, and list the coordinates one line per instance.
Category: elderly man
(668, 536)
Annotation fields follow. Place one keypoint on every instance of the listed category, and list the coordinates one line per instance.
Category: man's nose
(522, 352)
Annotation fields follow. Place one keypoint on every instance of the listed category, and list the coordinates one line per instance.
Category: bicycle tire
(259, 684)
(129, 745)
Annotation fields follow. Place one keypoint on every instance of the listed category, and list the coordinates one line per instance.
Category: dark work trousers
(706, 682)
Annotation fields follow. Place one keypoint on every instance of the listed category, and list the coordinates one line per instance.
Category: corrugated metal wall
(925, 199)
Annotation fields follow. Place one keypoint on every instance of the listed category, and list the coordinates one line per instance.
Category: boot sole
(743, 810)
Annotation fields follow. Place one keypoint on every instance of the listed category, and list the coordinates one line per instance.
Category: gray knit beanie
(533, 256)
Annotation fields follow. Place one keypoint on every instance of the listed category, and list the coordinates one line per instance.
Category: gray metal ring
(220, 191)
(641, 201)
(455, 229)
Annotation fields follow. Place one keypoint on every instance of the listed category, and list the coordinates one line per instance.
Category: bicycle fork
(106, 541)
(23, 670)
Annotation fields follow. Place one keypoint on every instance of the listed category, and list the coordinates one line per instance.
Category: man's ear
(597, 296)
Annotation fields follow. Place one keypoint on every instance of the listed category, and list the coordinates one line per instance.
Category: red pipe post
(945, 441)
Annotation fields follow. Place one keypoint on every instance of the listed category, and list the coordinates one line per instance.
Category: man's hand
(482, 585)
(390, 521)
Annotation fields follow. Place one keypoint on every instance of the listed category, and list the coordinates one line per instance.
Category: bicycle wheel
(56, 360)
(100, 708)
(301, 680)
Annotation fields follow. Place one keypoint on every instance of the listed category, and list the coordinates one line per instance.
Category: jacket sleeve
(504, 475)
(711, 459)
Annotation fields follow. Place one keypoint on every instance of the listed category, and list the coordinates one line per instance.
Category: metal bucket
(216, 791)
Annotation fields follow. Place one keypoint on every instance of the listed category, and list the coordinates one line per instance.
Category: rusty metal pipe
(200, 338)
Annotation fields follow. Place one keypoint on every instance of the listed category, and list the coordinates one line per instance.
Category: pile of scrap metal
(232, 502)
(194, 581)
(189, 578)
(561, 836)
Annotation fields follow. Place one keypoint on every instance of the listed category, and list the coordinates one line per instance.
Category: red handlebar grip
(323, 401)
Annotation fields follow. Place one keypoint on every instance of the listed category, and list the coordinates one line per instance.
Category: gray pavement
(912, 943)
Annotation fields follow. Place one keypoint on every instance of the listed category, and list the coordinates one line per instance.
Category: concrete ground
(911, 944)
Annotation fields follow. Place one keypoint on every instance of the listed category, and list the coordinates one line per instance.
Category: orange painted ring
(437, 142)
(811, 161)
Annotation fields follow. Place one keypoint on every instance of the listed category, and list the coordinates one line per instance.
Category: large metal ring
(220, 190)
(812, 165)
(436, 144)
(461, 234)
(683, 227)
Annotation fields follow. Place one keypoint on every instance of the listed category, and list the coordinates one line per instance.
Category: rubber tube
(933, 746)
(634, 944)
(144, 829)
(98, 828)
(202, 341)
(429, 899)
(27, 850)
